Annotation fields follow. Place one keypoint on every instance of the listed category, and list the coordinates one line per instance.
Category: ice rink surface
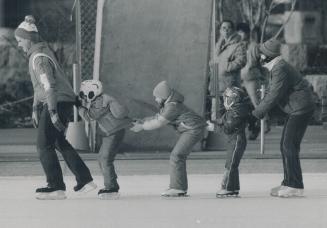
(140, 204)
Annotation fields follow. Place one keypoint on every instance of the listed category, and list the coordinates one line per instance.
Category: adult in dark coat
(289, 91)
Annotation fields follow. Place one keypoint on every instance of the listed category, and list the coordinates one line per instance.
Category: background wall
(147, 41)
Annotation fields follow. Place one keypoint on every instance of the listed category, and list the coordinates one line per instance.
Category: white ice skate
(274, 191)
(83, 189)
(171, 192)
(290, 192)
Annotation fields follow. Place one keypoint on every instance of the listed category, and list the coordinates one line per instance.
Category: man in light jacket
(53, 102)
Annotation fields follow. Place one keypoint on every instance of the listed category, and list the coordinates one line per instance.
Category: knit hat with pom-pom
(27, 29)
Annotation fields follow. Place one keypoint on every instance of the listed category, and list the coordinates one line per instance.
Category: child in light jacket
(113, 119)
(187, 123)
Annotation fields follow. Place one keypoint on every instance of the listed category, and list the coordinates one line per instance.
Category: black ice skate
(49, 193)
(108, 194)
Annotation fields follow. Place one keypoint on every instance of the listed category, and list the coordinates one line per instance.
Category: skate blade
(228, 196)
(109, 196)
(57, 195)
(175, 195)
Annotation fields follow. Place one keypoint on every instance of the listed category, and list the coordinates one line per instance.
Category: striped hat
(27, 29)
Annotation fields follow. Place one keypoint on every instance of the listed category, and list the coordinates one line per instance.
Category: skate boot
(49, 193)
(108, 194)
(274, 191)
(85, 188)
(290, 192)
(222, 193)
(171, 192)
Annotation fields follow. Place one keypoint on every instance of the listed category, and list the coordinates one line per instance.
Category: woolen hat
(270, 48)
(162, 90)
(27, 29)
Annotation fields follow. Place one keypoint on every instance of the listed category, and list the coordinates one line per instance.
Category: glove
(35, 117)
(257, 114)
(137, 127)
(78, 102)
(56, 121)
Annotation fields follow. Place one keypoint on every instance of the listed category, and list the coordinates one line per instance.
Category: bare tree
(256, 13)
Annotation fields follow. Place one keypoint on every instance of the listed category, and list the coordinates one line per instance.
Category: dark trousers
(49, 139)
(107, 154)
(293, 132)
(235, 149)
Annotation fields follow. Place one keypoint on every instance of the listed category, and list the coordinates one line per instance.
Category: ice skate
(108, 194)
(222, 193)
(274, 191)
(171, 192)
(288, 192)
(85, 188)
(48, 193)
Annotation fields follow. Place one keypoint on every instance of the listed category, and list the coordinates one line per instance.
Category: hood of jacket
(175, 97)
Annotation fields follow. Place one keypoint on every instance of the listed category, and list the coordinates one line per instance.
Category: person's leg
(294, 132)
(107, 153)
(46, 137)
(183, 147)
(283, 154)
(231, 176)
(71, 157)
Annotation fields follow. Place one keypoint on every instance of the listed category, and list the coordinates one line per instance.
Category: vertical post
(98, 34)
(76, 83)
(262, 124)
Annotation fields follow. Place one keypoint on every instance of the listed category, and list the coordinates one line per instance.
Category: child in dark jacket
(233, 122)
(113, 120)
(188, 124)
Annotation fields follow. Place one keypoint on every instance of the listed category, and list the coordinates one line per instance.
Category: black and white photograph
(163, 113)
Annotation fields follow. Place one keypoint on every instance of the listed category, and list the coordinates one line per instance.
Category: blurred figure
(252, 75)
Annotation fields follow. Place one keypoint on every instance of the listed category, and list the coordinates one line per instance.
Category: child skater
(112, 119)
(188, 124)
(233, 123)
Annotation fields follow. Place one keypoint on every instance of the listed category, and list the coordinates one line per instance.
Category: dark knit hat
(270, 48)
(27, 29)
(162, 90)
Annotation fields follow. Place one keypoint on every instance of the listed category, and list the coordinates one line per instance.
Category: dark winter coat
(288, 90)
(234, 120)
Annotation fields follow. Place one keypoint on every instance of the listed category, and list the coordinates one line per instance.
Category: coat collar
(272, 63)
(36, 47)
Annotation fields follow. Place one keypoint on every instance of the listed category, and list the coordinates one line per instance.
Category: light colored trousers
(178, 156)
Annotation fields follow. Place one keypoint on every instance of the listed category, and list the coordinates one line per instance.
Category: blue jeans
(107, 154)
(293, 132)
(49, 139)
(183, 147)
